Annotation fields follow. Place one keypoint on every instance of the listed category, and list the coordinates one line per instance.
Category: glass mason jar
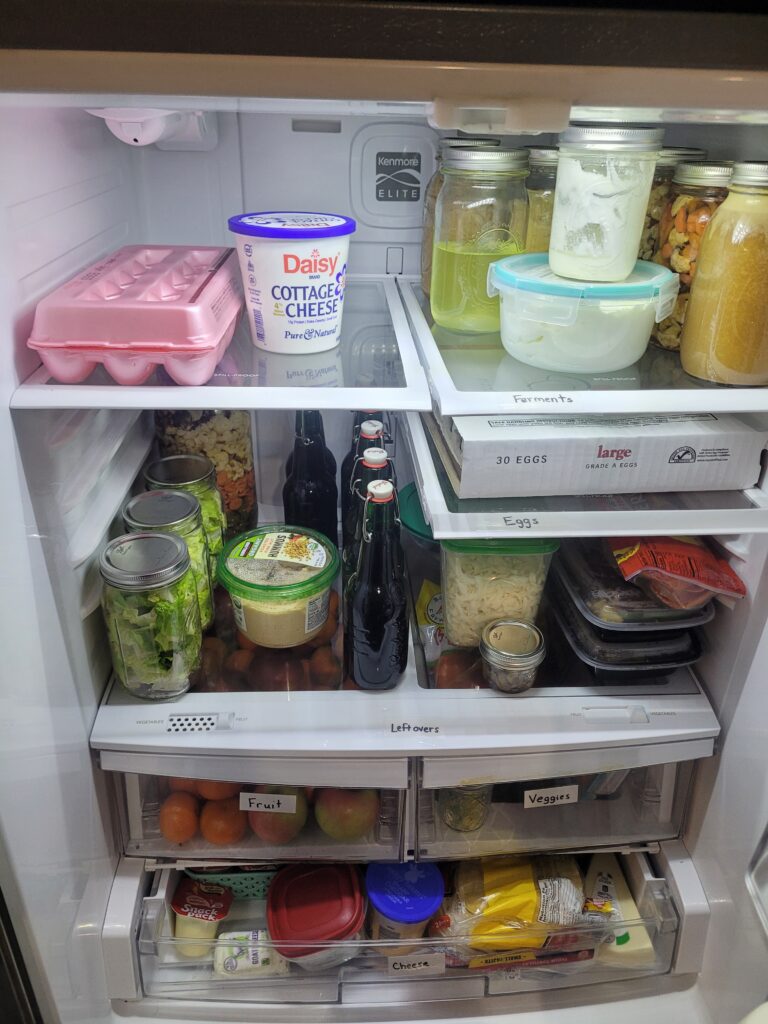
(661, 185)
(696, 192)
(224, 436)
(177, 512)
(481, 216)
(430, 199)
(465, 808)
(152, 615)
(604, 177)
(541, 196)
(725, 334)
(197, 475)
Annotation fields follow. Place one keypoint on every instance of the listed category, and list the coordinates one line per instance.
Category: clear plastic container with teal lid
(197, 475)
(484, 580)
(176, 512)
(279, 579)
(152, 613)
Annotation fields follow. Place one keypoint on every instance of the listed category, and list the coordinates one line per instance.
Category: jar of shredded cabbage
(484, 580)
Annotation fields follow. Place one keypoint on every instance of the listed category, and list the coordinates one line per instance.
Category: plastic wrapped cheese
(247, 955)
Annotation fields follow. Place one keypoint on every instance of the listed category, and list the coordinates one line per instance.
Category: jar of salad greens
(197, 475)
(177, 512)
(152, 614)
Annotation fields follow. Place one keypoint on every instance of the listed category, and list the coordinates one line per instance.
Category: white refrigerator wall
(70, 193)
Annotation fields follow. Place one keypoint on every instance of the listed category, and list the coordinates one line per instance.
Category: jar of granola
(660, 189)
(224, 436)
(696, 192)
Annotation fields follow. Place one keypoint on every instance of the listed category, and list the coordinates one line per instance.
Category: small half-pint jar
(512, 651)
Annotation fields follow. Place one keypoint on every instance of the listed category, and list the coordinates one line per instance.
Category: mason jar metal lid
(608, 136)
(542, 156)
(144, 561)
(153, 510)
(179, 471)
(702, 172)
(750, 172)
(455, 142)
(494, 160)
(512, 643)
(670, 156)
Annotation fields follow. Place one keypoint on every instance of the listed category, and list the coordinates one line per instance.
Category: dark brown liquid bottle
(369, 434)
(375, 608)
(309, 495)
(311, 422)
(373, 465)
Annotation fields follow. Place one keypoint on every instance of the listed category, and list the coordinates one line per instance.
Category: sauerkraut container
(140, 307)
(485, 580)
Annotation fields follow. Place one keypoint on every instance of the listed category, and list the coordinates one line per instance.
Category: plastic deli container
(294, 268)
(610, 602)
(559, 324)
(315, 914)
(279, 579)
(484, 580)
(140, 307)
(402, 898)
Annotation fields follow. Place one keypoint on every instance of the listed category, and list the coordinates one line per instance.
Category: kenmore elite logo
(398, 177)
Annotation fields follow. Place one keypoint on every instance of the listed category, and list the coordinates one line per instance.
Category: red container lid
(314, 903)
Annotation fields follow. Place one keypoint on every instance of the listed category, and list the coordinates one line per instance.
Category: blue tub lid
(291, 224)
(530, 273)
(407, 893)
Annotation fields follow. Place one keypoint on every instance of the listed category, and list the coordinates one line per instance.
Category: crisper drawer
(458, 966)
(625, 804)
(259, 809)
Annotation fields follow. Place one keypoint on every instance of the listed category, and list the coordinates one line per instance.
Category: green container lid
(278, 563)
(502, 547)
(411, 514)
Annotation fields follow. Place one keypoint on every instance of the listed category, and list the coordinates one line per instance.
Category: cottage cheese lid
(292, 224)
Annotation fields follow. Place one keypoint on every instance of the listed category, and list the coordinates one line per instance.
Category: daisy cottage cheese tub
(294, 267)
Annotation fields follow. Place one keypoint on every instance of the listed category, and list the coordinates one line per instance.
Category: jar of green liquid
(481, 216)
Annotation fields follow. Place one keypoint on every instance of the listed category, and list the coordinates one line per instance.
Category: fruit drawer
(619, 807)
(259, 819)
(638, 937)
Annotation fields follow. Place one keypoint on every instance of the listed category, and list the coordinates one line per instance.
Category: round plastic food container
(279, 579)
(403, 898)
(485, 580)
(559, 324)
(315, 914)
(294, 267)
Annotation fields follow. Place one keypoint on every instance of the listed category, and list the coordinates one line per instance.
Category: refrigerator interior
(71, 193)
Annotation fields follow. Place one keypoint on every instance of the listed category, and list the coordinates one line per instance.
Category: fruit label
(272, 803)
(416, 963)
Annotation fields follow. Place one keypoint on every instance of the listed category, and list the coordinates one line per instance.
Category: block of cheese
(248, 955)
(628, 946)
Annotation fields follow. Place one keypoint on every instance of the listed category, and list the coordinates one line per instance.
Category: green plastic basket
(245, 885)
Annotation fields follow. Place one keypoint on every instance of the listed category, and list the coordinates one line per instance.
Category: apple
(346, 814)
(280, 827)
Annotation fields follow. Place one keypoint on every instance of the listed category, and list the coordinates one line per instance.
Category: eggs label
(273, 803)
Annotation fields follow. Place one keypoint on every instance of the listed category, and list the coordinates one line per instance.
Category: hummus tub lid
(292, 224)
(278, 563)
(313, 903)
(408, 893)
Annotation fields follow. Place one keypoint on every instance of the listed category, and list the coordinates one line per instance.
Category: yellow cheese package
(507, 904)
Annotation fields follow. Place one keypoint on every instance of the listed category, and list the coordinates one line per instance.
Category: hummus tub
(294, 267)
(279, 578)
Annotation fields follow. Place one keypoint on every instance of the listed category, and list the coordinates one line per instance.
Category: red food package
(681, 572)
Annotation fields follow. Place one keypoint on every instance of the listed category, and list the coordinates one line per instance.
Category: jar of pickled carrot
(725, 335)
(697, 191)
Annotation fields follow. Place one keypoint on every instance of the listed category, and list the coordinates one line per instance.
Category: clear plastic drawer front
(243, 964)
(214, 819)
(623, 807)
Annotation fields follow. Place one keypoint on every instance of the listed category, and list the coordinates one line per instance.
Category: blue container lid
(291, 224)
(407, 893)
(530, 273)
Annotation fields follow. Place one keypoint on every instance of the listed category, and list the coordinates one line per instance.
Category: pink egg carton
(140, 307)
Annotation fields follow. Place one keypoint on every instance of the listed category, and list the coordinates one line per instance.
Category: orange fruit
(222, 822)
(217, 790)
(178, 817)
(183, 786)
